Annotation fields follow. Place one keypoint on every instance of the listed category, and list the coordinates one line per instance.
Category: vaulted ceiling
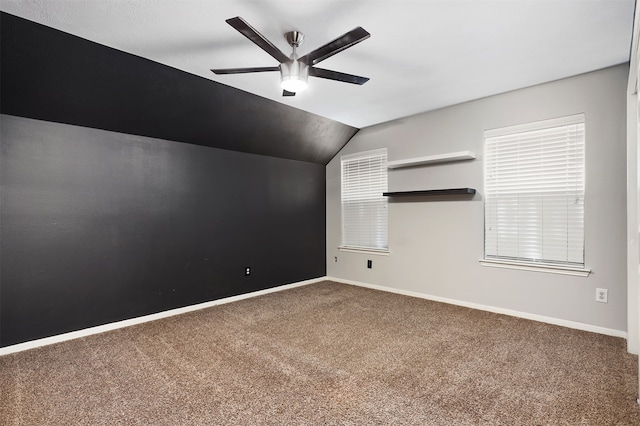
(50, 75)
(422, 55)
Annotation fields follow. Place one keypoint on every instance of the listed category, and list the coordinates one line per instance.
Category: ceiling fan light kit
(294, 70)
(294, 76)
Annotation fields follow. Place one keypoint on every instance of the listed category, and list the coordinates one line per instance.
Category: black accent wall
(129, 188)
(99, 226)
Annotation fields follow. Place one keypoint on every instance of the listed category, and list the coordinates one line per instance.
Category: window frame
(350, 246)
(548, 265)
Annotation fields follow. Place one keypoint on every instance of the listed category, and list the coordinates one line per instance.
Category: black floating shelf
(455, 191)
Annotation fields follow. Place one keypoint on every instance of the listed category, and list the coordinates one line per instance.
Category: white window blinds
(364, 208)
(534, 192)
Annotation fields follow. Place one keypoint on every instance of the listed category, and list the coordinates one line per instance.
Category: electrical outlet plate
(602, 295)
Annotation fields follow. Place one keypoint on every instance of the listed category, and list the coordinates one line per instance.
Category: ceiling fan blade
(287, 93)
(249, 32)
(335, 75)
(243, 70)
(338, 45)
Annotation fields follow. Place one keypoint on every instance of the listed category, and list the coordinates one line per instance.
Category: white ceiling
(422, 55)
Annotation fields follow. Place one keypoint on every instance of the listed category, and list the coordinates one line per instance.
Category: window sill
(379, 252)
(552, 269)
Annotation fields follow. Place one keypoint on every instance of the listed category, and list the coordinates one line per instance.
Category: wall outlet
(602, 295)
(247, 271)
(369, 264)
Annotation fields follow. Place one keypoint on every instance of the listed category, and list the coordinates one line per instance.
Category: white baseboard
(525, 315)
(139, 320)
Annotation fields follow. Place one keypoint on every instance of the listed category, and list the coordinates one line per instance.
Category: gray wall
(99, 226)
(435, 244)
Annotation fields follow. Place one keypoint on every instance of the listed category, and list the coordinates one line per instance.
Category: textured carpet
(330, 354)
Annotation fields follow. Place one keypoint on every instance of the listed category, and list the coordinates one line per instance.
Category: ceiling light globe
(293, 85)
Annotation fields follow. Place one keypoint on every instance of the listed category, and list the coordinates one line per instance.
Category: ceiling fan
(295, 70)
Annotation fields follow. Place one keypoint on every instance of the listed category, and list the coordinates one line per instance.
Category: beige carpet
(329, 354)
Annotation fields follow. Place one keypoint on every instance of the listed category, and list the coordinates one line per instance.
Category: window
(534, 193)
(364, 208)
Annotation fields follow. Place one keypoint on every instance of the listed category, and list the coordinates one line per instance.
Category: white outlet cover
(602, 295)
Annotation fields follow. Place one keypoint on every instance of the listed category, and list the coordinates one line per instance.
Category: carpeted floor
(329, 354)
